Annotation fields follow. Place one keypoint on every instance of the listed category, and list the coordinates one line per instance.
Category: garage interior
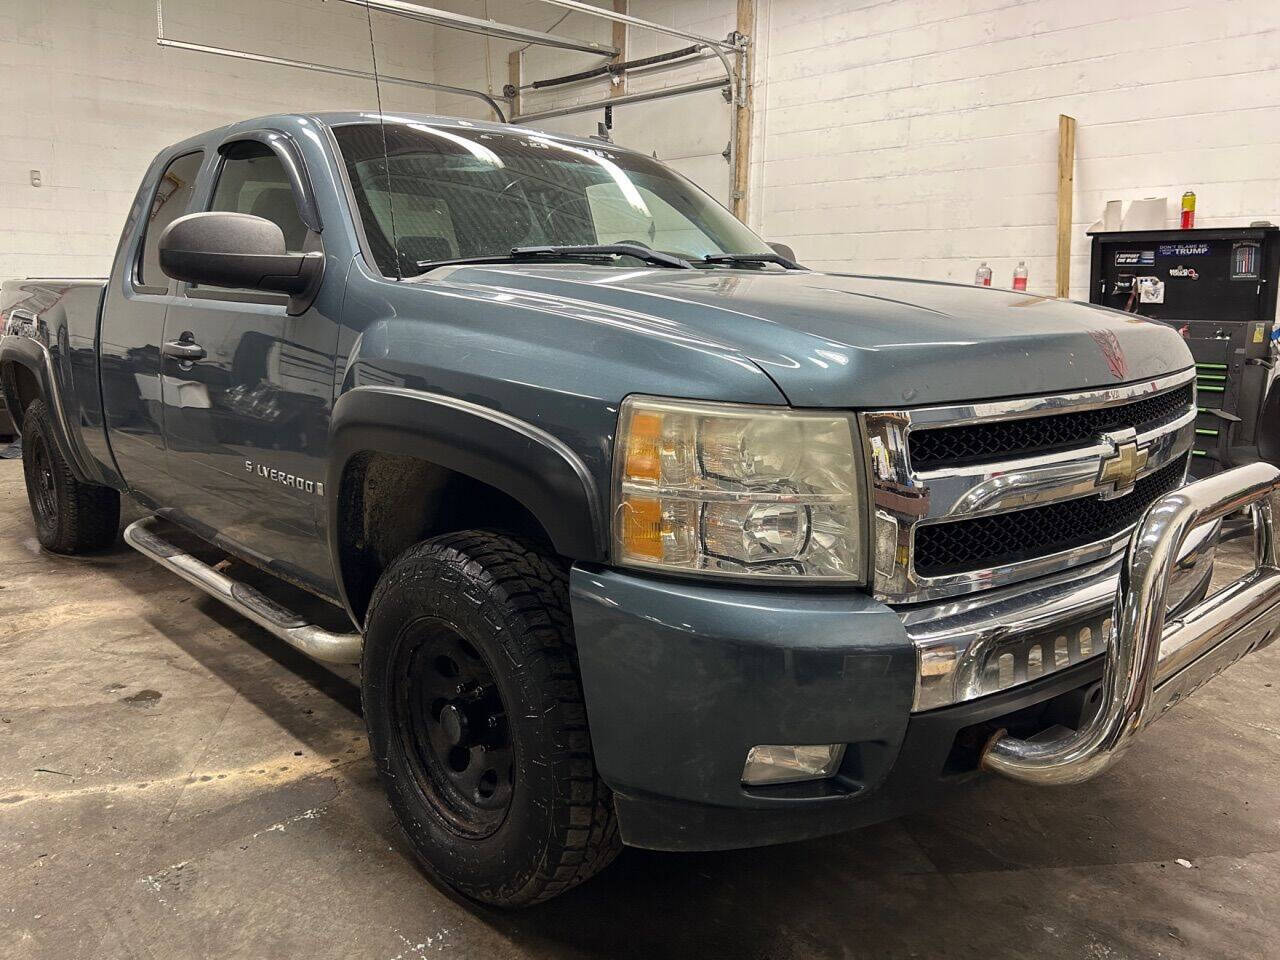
(177, 782)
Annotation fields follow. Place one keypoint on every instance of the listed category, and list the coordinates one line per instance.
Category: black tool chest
(1217, 287)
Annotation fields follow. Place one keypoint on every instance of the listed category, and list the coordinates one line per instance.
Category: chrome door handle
(184, 350)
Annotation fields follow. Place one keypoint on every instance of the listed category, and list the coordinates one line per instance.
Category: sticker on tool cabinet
(1257, 333)
(1183, 249)
(1245, 257)
(1135, 258)
(1186, 273)
(1150, 290)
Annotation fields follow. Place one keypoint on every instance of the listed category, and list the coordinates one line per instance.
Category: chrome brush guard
(1152, 664)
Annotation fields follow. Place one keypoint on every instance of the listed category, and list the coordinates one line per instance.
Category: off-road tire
(508, 602)
(70, 516)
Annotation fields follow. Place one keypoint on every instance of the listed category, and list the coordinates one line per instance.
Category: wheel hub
(454, 722)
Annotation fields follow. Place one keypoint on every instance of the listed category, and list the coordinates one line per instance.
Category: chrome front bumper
(1153, 662)
(970, 647)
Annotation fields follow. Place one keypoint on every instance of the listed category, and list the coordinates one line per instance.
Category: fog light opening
(791, 763)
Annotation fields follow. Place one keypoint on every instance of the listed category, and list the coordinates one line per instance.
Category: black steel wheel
(477, 723)
(453, 727)
(70, 516)
(38, 464)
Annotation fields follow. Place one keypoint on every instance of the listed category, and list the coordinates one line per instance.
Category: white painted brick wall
(919, 137)
(87, 98)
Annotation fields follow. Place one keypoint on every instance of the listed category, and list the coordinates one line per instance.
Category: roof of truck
(336, 118)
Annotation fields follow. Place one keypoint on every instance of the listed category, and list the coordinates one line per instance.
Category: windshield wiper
(656, 257)
(573, 252)
(752, 258)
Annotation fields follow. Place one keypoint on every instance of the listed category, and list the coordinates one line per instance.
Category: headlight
(737, 491)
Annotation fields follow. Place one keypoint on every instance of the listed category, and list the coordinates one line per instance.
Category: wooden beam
(1066, 185)
(739, 176)
(620, 43)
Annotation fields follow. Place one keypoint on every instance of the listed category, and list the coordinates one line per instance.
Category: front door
(248, 390)
(131, 333)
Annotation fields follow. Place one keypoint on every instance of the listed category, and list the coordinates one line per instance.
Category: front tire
(477, 723)
(70, 516)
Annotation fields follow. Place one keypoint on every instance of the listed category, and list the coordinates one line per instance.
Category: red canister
(1188, 210)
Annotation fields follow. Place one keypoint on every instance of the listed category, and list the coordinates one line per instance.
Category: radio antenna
(382, 125)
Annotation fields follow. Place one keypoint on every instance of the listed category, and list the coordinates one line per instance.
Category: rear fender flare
(34, 356)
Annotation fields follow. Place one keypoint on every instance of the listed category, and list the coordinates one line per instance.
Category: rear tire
(70, 516)
(477, 723)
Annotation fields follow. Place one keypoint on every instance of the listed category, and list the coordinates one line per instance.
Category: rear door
(247, 423)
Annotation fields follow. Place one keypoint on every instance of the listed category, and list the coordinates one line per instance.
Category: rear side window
(171, 200)
(253, 180)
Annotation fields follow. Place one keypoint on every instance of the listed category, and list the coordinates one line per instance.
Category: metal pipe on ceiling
(488, 28)
(619, 67)
(657, 94)
(637, 22)
(701, 56)
(721, 48)
(336, 71)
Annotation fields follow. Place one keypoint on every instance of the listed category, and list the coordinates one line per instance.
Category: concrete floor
(176, 783)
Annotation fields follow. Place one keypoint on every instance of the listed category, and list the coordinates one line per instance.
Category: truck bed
(61, 314)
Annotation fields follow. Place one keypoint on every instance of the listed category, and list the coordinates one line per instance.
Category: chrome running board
(314, 641)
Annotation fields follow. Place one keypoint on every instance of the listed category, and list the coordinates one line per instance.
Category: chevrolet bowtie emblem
(1121, 467)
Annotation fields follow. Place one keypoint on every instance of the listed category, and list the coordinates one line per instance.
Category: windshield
(443, 193)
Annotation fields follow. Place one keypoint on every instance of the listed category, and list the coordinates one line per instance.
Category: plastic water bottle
(983, 276)
(1020, 275)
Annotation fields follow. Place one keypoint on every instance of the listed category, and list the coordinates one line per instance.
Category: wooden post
(515, 73)
(619, 41)
(738, 176)
(1066, 183)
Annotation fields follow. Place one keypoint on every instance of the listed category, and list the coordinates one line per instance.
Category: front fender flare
(522, 460)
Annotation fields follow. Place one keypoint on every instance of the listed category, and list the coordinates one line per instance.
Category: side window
(171, 200)
(253, 180)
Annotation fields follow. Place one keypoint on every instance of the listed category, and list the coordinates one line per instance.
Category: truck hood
(835, 340)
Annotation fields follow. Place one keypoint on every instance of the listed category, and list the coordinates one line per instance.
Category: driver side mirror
(224, 249)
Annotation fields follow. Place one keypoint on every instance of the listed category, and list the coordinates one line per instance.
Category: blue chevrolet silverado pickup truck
(645, 533)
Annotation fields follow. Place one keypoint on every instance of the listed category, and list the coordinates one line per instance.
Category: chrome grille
(979, 495)
(949, 446)
(1003, 538)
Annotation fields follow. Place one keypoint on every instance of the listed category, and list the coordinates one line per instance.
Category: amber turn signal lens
(642, 527)
(644, 460)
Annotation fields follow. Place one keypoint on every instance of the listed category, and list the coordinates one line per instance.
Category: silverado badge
(285, 479)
